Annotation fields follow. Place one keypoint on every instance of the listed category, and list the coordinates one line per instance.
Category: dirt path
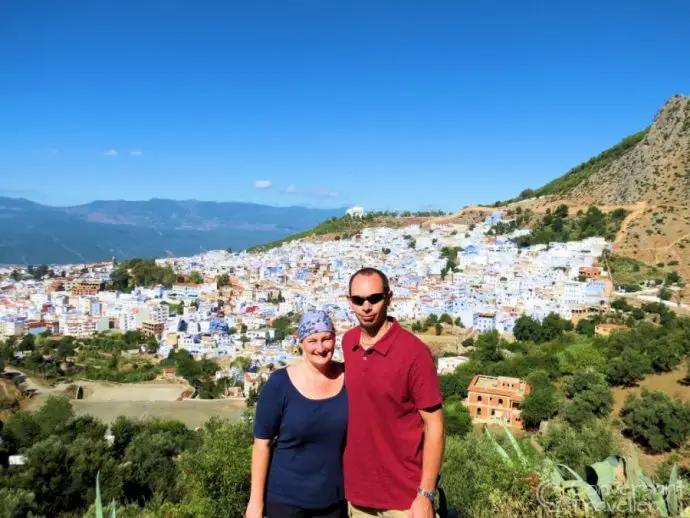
(29, 384)
(635, 212)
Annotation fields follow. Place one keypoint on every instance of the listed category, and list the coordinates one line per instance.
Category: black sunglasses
(374, 298)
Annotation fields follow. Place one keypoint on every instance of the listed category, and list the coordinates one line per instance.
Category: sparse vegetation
(582, 172)
(560, 226)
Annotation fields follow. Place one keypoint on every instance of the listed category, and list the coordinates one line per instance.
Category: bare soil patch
(193, 412)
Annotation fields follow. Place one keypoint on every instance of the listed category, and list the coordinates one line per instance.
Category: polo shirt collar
(384, 344)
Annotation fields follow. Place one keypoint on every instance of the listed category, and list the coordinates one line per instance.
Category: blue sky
(390, 104)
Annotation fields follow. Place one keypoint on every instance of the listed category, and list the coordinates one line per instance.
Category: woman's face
(318, 348)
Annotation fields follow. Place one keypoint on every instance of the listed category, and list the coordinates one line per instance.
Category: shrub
(478, 482)
(579, 447)
(656, 421)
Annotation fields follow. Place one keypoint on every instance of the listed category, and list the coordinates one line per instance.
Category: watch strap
(428, 494)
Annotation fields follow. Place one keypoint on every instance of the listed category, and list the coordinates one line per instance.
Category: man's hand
(421, 508)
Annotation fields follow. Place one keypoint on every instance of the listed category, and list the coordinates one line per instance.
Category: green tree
(621, 305)
(665, 294)
(665, 353)
(28, 342)
(223, 280)
(458, 421)
(119, 279)
(20, 431)
(578, 447)
(656, 421)
(242, 362)
(672, 278)
(488, 347)
(637, 314)
(552, 327)
(17, 503)
(628, 368)
(54, 415)
(151, 468)
(254, 392)
(527, 329)
(582, 355)
(445, 318)
(542, 402)
(61, 474)
(590, 397)
(195, 277)
(124, 430)
(438, 328)
(474, 474)
(215, 478)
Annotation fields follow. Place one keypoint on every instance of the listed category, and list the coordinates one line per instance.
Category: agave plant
(99, 505)
(615, 473)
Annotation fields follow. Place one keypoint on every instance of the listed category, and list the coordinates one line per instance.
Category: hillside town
(484, 282)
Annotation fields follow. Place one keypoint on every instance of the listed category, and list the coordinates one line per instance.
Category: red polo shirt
(386, 386)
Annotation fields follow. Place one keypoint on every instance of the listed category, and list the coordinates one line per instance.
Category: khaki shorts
(364, 512)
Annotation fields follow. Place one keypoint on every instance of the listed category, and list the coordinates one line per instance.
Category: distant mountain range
(33, 233)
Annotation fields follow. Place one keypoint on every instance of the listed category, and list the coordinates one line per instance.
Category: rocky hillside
(656, 169)
(648, 174)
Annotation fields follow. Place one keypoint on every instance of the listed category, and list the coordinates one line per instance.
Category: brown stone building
(152, 328)
(87, 287)
(496, 400)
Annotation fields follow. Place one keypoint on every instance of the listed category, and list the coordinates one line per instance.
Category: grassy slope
(342, 227)
(627, 270)
(577, 175)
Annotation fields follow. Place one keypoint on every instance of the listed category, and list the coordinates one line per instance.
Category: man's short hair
(367, 271)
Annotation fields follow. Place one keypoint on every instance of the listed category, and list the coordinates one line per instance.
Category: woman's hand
(254, 510)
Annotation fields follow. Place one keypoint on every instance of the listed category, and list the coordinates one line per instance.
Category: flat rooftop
(501, 383)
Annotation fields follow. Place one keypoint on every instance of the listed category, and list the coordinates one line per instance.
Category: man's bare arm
(434, 445)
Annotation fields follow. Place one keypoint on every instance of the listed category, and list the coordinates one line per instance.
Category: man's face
(370, 315)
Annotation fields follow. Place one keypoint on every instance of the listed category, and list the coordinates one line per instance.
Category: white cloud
(136, 153)
(263, 184)
(110, 152)
(290, 189)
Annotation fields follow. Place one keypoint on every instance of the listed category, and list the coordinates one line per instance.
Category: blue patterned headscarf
(315, 322)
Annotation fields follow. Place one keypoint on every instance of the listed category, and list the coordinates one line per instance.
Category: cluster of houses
(488, 283)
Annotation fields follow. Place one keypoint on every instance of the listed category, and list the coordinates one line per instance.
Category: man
(395, 437)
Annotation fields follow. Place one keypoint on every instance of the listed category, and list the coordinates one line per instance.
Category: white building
(448, 365)
(11, 328)
(355, 212)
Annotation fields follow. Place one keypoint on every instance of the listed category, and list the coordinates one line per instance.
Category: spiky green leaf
(497, 446)
(99, 505)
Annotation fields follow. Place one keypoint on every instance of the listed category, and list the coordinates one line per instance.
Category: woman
(299, 431)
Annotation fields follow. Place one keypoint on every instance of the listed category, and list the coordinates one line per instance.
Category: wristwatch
(429, 494)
